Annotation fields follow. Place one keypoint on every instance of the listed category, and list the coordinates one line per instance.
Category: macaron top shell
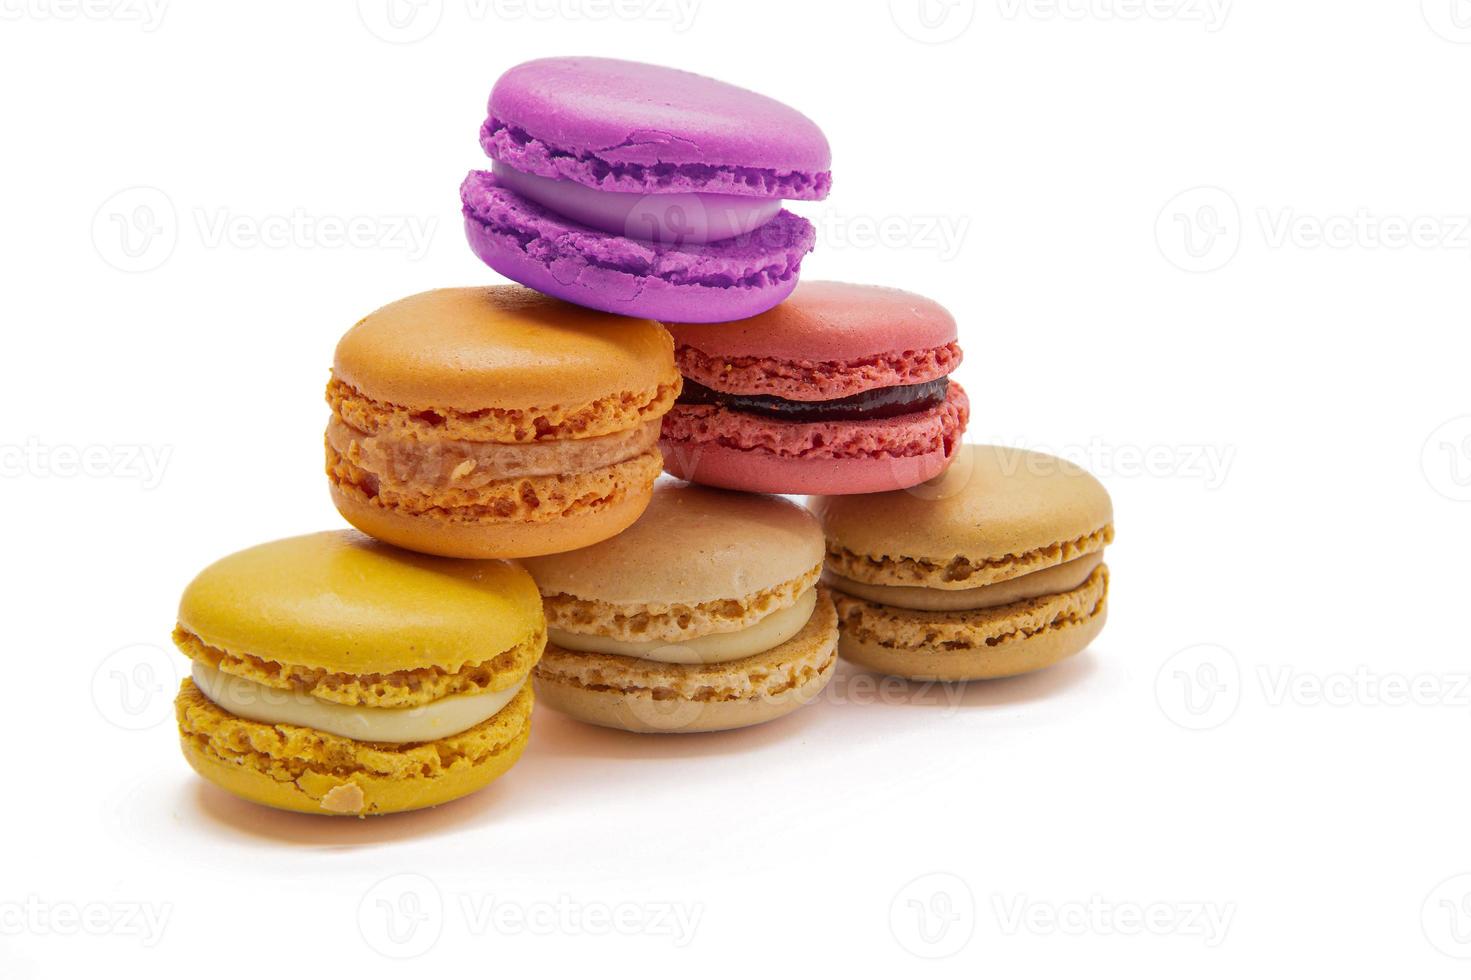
(692, 545)
(342, 602)
(633, 127)
(993, 506)
(828, 321)
(507, 347)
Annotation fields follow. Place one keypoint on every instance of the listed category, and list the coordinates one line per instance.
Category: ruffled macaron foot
(973, 645)
(640, 696)
(733, 278)
(292, 768)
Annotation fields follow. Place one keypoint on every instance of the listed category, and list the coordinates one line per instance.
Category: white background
(1264, 755)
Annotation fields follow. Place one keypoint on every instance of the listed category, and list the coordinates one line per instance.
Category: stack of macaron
(498, 449)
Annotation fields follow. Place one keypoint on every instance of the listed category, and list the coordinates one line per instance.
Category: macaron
(705, 615)
(644, 190)
(496, 422)
(994, 568)
(840, 389)
(333, 674)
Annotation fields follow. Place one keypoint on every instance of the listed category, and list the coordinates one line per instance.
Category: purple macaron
(644, 190)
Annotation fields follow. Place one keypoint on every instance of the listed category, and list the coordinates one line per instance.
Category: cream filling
(712, 648)
(457, 463)
(422, 723)
(1049, 581)
(690, 218)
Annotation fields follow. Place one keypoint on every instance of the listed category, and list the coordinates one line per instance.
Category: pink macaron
(839, 389)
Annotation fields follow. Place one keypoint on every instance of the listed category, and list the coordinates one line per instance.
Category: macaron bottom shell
(658, 698)
(439, 532)
(728, 280)
(982, 644)
(300, 769)
(738, 450)
(757, 471)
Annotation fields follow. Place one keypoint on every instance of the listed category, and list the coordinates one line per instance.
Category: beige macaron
(705, 615)
(991, 569)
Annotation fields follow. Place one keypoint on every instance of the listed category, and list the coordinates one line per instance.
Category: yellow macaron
(991, 569)
(495, 422)
(334, 674)
(705, 615)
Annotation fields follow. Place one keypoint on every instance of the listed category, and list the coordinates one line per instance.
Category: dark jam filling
(880, 403)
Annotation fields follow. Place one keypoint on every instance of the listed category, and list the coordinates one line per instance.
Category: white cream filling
(1048, 581)
(423, 723)
(712, 648)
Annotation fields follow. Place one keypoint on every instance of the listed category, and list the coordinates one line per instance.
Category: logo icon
(1199, 230)
(133, 688)
(1451, 19)
(955, 479)
(662, 714)
(401, 21)
(1446, 917)
(932, 21)
(682, 458)
(401, 916)
(136, 229)
(1199, 687)
(933, 916)
(667, 219)
(1446, 459)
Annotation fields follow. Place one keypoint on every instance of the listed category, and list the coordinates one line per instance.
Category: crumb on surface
(344, 798)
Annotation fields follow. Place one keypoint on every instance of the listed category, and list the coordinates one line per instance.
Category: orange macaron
(495, 422)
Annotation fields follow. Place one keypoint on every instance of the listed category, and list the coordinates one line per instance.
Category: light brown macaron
(991, 569)
(705, 615)
(495, 422)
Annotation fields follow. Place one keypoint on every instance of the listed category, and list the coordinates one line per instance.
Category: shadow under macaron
(564, 753)
(557, 737)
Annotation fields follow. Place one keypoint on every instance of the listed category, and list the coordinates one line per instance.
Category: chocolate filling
(880, 403)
